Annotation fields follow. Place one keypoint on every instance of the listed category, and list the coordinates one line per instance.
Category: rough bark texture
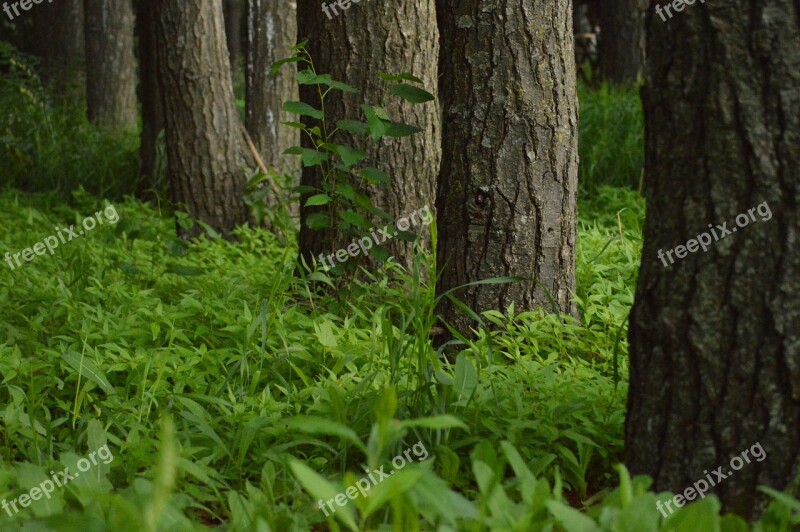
(715, 337)
(111, 64)
(507, 190)
(233, 30)
(206, 148)
(62, 51)
(271, 33)
(621, 43)
(151, 98)
(353, 46)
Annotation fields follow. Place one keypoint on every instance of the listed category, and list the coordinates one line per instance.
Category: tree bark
(111, 64)
(353, 46)
(206, 147)
(714, 338)
(272, 32)
(507, 190)
(151, 98)
(621, 43)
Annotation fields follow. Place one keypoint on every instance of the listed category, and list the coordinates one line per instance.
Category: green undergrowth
(235, 394)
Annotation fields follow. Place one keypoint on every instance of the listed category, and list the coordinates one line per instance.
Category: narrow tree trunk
(233, 30)
(507, 190)
(151, 97)
(111, 64)
(62, 52)
(206, 146)
(714, 337)
(621, 43)
(272, 32)
(353, 46)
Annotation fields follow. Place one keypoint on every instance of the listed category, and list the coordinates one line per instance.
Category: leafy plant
(340, 202)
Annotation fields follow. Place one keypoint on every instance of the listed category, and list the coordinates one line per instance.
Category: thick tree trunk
(111, 64)
(233, 30)
(62, 52)
(272, 32)
(621, 43)
(151, 97)
(714, 337)
(353, 46)
(507, 190)
(206, 147)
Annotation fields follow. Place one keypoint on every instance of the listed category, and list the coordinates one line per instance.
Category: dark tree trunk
(621, 43)
(111, 64)
(206, 147)
(233, 29)
(507, 190)
(714, 337)
(62, 51)
(353, 46)
(272, 32)
(152, 105)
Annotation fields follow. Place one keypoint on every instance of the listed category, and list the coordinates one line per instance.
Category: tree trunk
(272, 32)
(152, 105)
(714, 338)
(206, 147)
(507, 190)
(353, 46)
(111, 64)
(621, 43)
(233, 30)
(62, 52)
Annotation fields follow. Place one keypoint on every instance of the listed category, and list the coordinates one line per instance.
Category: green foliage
(611, 137)
(341, 202)
(48, 145)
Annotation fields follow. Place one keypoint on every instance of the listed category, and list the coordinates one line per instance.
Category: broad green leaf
(318, 199)
(571, 519)
(276, 66)
(355, 219)
(434, 422)
(309, 157)
(398, 130)
(398, 483)
(296, 125)
(350, 156)
(303, 109)
(405, 76)
(375, 176)
(353, 126)
(412, 94)
(317, 221)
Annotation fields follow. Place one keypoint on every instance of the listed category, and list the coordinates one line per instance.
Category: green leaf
(276, 66)
(319, 488)
(397, 130)
(186, 271)
(374, 176)
(318, 199)
(398, 483)
(316, 425)
(317, 221)
(412, 94)
(355, 219)
(377, 120)
(405, 76)
(307, 77)
(466, 380)
(296, 125)
(350, 156)
(353, 126)
(310, 157)
(84, 366)
(303, 109)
